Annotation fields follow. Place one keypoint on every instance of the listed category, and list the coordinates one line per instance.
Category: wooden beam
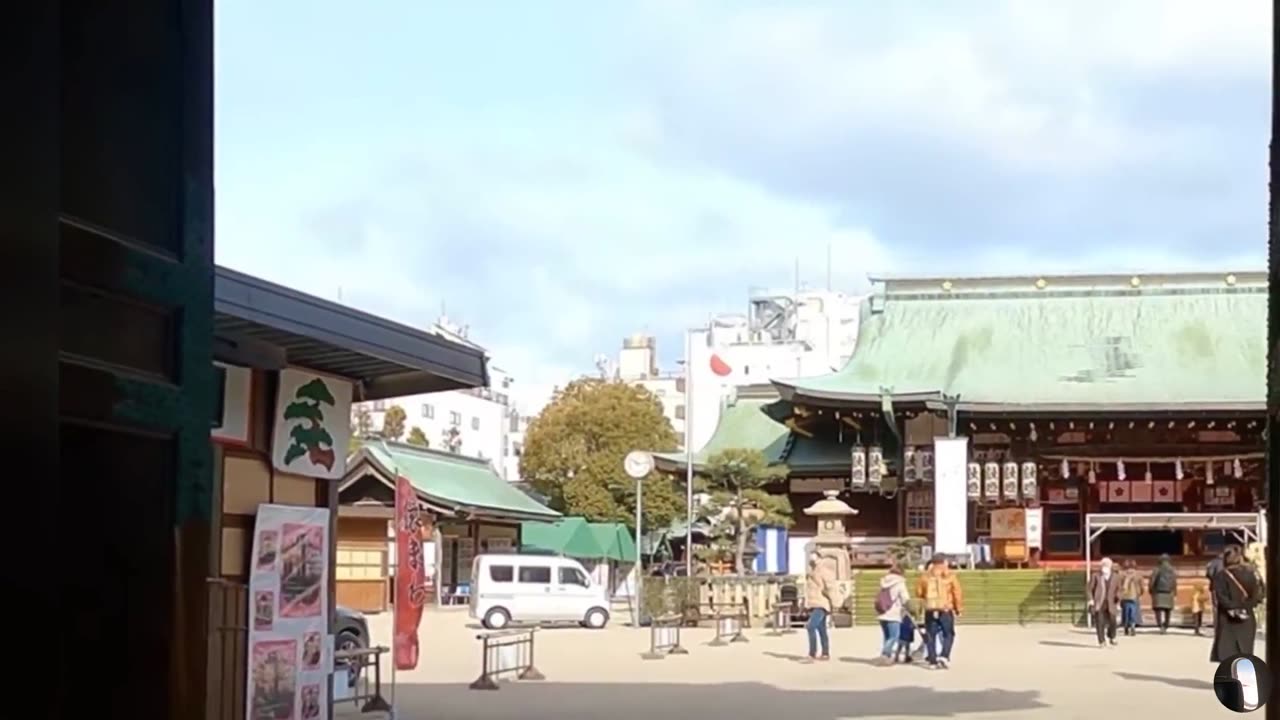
(795, 428)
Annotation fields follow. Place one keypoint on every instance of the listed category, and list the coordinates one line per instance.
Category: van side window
(573, 576)
(501, 573)
(536, 575)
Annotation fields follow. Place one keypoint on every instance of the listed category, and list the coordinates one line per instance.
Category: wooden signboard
(1008, 524)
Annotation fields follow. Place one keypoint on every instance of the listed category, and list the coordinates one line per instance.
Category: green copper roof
(452, 480)
(1165, 342)
(746, 424)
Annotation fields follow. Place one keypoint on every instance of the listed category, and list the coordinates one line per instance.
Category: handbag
(1237, 614)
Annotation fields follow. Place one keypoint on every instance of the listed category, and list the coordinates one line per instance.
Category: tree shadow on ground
(742, 701)
(1172, 682)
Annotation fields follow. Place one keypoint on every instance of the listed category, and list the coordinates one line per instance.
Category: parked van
(535, 589)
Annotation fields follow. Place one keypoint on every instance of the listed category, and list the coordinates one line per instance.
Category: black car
(351, 632)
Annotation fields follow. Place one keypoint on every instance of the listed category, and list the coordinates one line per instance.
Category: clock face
(638, 464)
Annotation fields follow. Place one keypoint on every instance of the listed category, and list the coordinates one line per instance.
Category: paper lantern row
(1007, 480)
(866, 467)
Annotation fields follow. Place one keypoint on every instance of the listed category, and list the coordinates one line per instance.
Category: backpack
(884, 600)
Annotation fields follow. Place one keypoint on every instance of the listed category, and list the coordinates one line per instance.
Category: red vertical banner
(413, 586)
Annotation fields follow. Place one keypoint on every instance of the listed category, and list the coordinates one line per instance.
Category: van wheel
(596, 618)
(497, 618)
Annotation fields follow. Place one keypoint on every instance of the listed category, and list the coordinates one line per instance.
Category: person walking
(819, 598)
(1164, 590)
(1130, 597)
(890, 607)
(1236, 592)
(1104, 602)
(1201, 600)
(939, 588)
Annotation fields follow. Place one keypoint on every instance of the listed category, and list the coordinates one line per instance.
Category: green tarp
(576, 538)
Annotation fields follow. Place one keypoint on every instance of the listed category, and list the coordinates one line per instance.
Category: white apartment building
(783, 335)
(476, 423)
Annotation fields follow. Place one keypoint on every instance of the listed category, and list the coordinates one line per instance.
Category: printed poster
(951, 495)
(289, 654)
(312, 427)
(413, 584)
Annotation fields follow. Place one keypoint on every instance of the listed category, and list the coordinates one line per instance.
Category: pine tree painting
(310, 438)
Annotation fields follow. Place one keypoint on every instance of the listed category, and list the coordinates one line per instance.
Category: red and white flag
(413, 585)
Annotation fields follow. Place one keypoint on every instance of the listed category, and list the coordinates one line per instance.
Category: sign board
(950, 495)
(1034, 521)
(312, 425)
(289, 614)
(1008, 524)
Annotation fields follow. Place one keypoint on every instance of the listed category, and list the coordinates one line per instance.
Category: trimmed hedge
(995, 597)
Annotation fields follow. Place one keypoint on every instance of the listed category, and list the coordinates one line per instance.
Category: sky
(560, 174)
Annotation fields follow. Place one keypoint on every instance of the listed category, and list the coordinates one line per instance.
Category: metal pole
(639, 557)
(1088, 566)
(688, 454)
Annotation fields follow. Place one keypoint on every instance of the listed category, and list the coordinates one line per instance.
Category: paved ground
(999, 672)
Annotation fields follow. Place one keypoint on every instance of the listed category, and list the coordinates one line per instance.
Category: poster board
(290, 656)
(951, 496)
(311, 425)
(1009, 524)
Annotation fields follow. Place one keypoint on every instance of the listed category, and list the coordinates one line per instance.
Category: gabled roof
(459, 484)
(570, 536)
(746, 423)
(389, 359)
(1119, 343)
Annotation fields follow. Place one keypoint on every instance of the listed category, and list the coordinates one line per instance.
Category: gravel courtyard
(998, 672)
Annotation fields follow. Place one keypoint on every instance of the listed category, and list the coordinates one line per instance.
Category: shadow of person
(1172, 682)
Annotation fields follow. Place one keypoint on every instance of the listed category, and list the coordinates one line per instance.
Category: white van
(535, 589)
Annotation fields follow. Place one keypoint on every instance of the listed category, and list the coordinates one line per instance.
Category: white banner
(290, 657)
(312, 430)
(950, 495)
(1035, 520)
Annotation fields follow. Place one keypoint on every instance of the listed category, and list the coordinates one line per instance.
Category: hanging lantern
(1010, 484)
(1065, 470)
(974, 486)
(1146, 477)
(925, 458)
(1093, 475)
(909, 475)
(1208, 473)
(857, 467)
(991, 480)
(1177, 469)
(1029, 480)
(1237, 471)
(875, 466)
(1120, 470)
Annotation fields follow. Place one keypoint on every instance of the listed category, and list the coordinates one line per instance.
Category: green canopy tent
(570, 537)
(616, 541)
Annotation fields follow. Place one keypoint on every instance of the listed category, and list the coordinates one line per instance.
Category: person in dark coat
(1236, 592)
(1104, 602)
(1164, 590)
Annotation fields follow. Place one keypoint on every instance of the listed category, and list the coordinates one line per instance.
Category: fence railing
(506, 654)
(729, 626)
(664, 637)
(781, 618)
(365, 664)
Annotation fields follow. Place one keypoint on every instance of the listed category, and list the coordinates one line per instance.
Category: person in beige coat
(820, 597)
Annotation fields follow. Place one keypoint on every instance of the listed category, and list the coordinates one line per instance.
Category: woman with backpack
(891, 603)
(1164, 590)
(1236, 592)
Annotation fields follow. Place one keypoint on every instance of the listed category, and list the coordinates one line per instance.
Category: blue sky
(559, 174)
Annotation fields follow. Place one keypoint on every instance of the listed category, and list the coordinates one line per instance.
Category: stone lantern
(831, 544)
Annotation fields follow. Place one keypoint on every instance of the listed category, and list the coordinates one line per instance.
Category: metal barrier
(368, 689)
(729, 626)
(506, 653)
(782, 617)
(664, 637)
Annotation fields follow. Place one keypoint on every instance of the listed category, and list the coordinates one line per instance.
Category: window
(573, 576)
(379, 405)
(455, 418)
(535, 575)
(981, 519)
(1062, 531)
(360, 564)
(680, 412)
(919, 514)
(515, 423)
(475, 423)
(679, 385)
(501, 573)
(518, 448)
(428, 411)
